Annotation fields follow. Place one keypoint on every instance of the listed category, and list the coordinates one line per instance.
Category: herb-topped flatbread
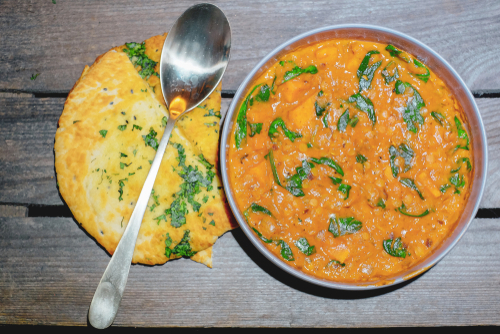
(107, 138)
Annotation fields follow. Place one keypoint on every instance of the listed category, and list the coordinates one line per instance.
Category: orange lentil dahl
(350, 160)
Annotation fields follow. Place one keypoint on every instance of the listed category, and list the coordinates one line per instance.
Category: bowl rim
(422, 266)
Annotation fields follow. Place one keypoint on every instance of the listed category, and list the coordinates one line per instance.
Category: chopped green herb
(303, 246)
(411, 184)
(325, 120)
(309, 145)
(330, 163)
(103, 133)
(394, 248)
(211, 112)
(123, 165)
(381, 203)
(150, 139)
(136, 127)
(241, 121)
(134, 152)
(319, 110)
(361, 159)
(76, 121)
(273, 167)
(461, 134)
(411, 114)
(159, 218)
(394, 52)
(402, 209)
(458, 181)
(404, 152)
(204, 162)
(365, 73)
(440, 119)
(335, 262)
(342, 226)
(205, 199)
(168, 242)
(335, 180)
(122, 127)
(263, 94)
(212, 223)
(424, 77)
(460, 162)
(387, 76)
(444, 187)
(164, 121)
(123, 155)
(278, 122)
(365, 105)
(344, 121)
(136, 54)
(286, 251)
(296, 71)
(210, 124)
(255, 128)
(261, 237)
(345, 188)
(34, 76)
(183, 248)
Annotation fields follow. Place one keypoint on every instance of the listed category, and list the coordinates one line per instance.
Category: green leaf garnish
(365, 105)
(241, 121)
(150, 139)
(394, 248)
(402, 210)
(136, 54)
(344, 121)
(424, 77)
(303, 246)
(263, 94)
(183, 248)
(365, 73)
(361, 159)
(411, 184)
(286, 251)
(136, 127)
(278, 122)
(462, 133)
(444, 187)
(406, 153)
(411, 114)
(460, 162)
(335, 180)
(255, 128)
(328, 162)
(381, 203)
(342, 226)
(440, 119)
(103, 133)
(335, 262)
(344, 188)
(34, 76)
(387, 76)
(273, 167)
(122, 127)
(168, 242)
(395, 52)
(296, 71)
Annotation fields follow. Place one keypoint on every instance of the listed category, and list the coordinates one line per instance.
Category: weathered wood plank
(58, 40)
(13, 211)
(28, 126)
(50, 269)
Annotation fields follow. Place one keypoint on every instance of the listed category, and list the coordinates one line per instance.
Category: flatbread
(102, 161)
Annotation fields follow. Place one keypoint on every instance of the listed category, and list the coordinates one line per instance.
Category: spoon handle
(109, 292)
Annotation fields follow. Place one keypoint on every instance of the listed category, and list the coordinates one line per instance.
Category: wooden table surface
(49, 267)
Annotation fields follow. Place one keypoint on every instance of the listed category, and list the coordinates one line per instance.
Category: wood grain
(50, 269)
(58, 40)
(28, 126)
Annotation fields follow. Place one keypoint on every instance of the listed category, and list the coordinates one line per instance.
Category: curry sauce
(350, 160)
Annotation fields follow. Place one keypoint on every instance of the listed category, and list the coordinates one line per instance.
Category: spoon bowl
(194, 57)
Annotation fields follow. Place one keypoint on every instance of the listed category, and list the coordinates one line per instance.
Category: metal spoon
(194, 57)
